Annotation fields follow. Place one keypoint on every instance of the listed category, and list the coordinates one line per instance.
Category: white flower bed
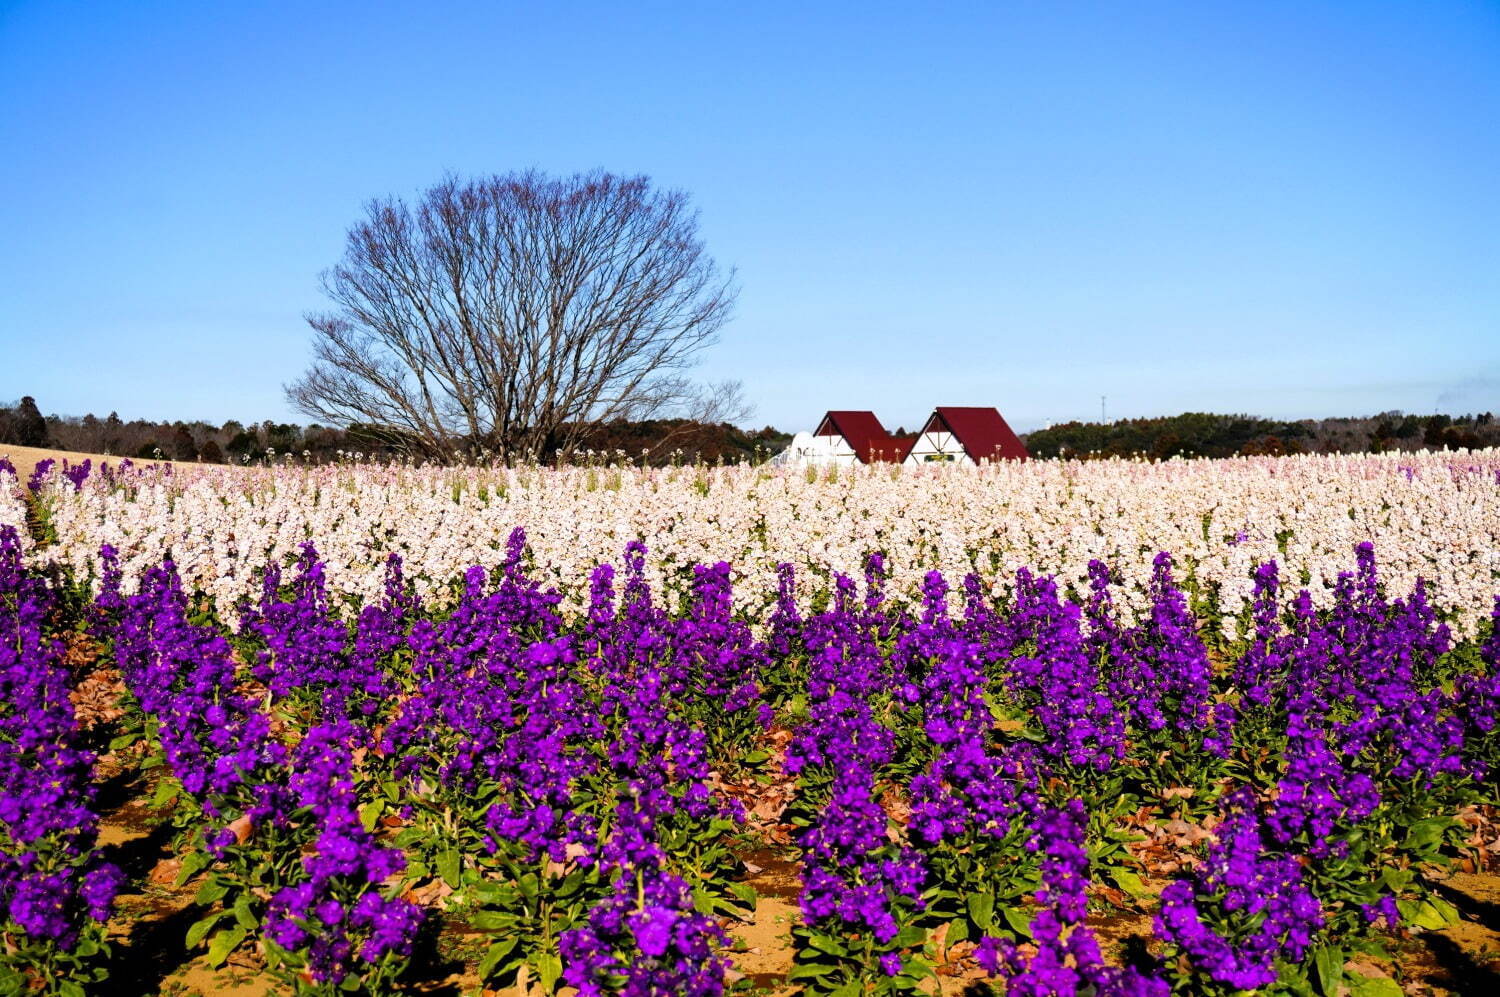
(1433, 515)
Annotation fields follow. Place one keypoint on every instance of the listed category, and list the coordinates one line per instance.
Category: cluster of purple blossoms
(1159, 672)
(970, 788)
(541, 757)
(786, 620)
(1356, 714)
(852, 874)
(1318, 795)
(1067, 960)
(338, 917)
(39, 474)
(646, 937)
(498, 704)
(716, 660)
(51, 879)
(302, 641)
(646, 940)
(380, 631)
(1262, 667)
(1243, 908)
(1060, 680)
(855, 880)
(492, 691)
(1477, 698)
(1417, 733)
(216, 740)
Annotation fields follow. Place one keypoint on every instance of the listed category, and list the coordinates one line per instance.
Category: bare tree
(515, 313)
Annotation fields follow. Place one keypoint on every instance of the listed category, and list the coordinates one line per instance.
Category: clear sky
(1290, 209)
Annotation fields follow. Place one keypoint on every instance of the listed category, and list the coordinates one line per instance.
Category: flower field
(534, 731)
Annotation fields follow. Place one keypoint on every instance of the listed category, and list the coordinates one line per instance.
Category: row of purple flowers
(960, 776)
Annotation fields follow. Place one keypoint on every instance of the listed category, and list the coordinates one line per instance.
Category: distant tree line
(659, 441)
(1204, 434)
(234, 442)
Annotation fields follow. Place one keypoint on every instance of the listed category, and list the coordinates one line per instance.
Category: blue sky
(1287, 209)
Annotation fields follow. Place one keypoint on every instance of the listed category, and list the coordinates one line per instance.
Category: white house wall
(934, 443)
(819, 450)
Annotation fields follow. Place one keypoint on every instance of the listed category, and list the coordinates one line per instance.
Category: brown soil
(25, 459)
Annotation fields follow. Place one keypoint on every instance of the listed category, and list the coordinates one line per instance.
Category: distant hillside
(1205, 434)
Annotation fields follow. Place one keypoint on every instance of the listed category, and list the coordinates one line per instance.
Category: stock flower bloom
(1067, 960)
(52, 881)
(1244, 907)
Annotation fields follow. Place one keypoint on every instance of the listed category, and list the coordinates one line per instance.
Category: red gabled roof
(865, 435)
(983, 432)
(897, 447)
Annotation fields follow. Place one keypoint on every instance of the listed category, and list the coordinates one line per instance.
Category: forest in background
(1205, 434)
(660, 441)
(656, 441)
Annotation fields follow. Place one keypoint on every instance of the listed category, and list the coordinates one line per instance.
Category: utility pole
(1102, 418)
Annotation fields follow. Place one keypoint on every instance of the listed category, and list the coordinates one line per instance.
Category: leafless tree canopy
(515, 313)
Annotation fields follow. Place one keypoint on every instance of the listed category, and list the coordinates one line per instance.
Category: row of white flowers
(12, 505)
(1431, 515)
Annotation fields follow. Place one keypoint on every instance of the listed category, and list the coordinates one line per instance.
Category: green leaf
(11, 982)
(1426, 913)
(1372, 986)
(1129, 881)
(224, 943)
(703, 901)
(489, 920)
(744, 892)
(827, 944)
(448, 867)
(756, 757)
(1426, 833)
(911, 936)
(68, 988)
(243, 916)
(1329, 962)
(548, 970)
(196, 933)
(811, 971)
(1396, 880)
(370, 813)
(1445, 910)
(495, 954)
(124, 741)
(210, 892)
(194, 863)
(1018, 921)
(982, 909)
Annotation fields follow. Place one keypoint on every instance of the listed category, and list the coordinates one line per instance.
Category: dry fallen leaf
(164, 873)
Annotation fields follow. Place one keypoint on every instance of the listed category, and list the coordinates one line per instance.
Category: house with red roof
(858, 437)
(951, 435)
(965, 435)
